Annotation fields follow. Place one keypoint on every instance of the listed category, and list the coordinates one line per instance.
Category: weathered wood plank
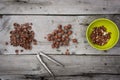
(14, 64)
(37, 77)
(42, 25)
(74, 65)
(96, 77)
(59, 7)
(14, 77)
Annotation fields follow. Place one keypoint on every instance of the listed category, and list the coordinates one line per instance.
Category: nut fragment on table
(67, 52)
(100, 36)
(16, 51)
(74, 41)
(6, 43)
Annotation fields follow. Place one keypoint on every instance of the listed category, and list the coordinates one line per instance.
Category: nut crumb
(45, 37)
(6, 43)
(5, 49)
(17, 51)
(76, 46)
(21, 50)
(74, 41)
(67, 52)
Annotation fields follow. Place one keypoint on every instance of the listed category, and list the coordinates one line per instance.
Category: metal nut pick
(54, 61)
(44, 65)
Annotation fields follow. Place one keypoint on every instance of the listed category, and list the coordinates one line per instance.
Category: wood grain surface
(84, 63)
(37, 77)
(43, 25)
(59, 7)
(74, 65)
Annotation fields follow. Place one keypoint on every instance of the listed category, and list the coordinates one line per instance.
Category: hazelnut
(69, 32)
(67, 52)
(74, 41)
(59, 26)
(66, 27)
(69, 26)
(21, 50)
(16, 51)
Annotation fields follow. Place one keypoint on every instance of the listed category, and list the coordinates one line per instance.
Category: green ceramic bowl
(110, 26)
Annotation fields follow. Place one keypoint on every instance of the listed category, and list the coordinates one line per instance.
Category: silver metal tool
(44, 65)
(51, 59)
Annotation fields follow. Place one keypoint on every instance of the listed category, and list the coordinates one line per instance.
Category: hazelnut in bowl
(102, 34)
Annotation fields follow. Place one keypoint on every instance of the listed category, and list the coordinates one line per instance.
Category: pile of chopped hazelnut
(23, 36)
(61, 36)
(100, 36)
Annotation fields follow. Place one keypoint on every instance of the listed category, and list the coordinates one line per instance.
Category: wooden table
(84, 63)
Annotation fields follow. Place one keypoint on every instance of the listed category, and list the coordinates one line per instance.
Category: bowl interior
(110, 26)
